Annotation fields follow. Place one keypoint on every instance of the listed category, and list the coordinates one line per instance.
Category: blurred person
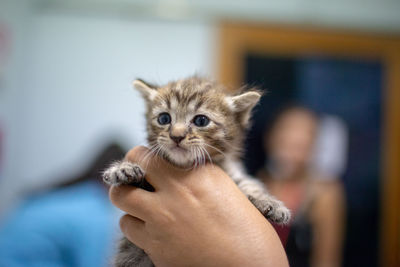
(314, 236)
(73, 224)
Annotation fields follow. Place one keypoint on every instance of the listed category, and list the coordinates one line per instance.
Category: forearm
(329, 223)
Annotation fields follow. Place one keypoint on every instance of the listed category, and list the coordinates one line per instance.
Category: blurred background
(66, 100)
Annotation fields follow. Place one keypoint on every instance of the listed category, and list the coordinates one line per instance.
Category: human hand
(195, 218)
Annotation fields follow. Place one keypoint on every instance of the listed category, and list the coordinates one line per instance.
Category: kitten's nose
(177, 132)
(177, 139)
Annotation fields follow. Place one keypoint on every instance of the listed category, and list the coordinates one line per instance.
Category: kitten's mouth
(178, 156)
(178, 148)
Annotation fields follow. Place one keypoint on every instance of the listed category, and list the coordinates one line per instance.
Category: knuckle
(164, 218)
(115, 194)
(123, 223)
(124, 196)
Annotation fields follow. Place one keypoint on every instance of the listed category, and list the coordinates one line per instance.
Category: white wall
(14, 18)
(76, 88)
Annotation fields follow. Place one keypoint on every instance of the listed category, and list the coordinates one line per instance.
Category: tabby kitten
(190, 122)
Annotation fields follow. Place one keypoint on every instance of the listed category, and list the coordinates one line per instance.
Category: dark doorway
(350, 89)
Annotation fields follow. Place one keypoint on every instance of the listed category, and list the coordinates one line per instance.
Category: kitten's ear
(243, 104)
(246, 101)
(147, 90)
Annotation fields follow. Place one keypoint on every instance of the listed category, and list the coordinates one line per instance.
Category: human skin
(194, 218)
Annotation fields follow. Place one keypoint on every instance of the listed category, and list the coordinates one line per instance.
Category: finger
(133, 229)
(155, 167)
(133, 200)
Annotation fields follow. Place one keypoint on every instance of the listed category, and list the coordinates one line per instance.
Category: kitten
(189, 122)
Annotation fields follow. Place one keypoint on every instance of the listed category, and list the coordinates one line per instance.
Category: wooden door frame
(238, 39)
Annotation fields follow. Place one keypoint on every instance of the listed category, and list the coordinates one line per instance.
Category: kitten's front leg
(123, 172)
(273, 209)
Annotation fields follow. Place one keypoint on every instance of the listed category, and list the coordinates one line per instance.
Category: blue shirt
(72, 226)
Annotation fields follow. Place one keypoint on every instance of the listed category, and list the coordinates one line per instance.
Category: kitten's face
(193, 121)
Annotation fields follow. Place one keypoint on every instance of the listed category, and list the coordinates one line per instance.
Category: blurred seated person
(314, 236)
(74, 224)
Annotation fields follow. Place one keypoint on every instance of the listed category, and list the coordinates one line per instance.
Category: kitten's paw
(273, 209)
(123, 173)
(279, 214)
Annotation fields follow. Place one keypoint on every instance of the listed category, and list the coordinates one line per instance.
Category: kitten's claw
(273, 209)
(123, 173)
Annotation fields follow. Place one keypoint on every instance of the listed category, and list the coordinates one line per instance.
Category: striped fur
(186, 98)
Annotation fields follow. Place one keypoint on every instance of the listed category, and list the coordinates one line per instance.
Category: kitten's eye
(164, 118)
(201, 120)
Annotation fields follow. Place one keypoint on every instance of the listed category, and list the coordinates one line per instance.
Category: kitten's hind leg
(273, 209)
(123, 172)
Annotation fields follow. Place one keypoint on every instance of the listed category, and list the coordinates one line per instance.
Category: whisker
(150, 153)
(194, 153)
(197, 157)
(218, 150)
(203, 155)
(200, 156)
(159, 151)
(208, 154)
